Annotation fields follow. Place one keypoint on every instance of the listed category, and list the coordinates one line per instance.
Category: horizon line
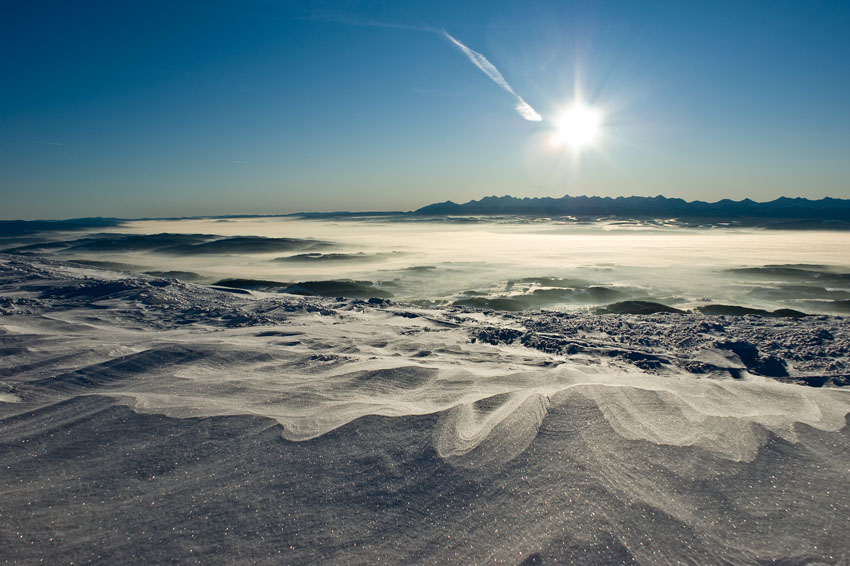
(404, 212)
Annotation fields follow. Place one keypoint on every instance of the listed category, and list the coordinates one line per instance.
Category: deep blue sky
(148, 108)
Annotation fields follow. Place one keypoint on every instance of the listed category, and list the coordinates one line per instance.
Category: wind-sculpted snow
(150, 420)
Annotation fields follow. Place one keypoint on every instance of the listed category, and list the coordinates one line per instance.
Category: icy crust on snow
(174, 348)
(145, 420)
(814, 351)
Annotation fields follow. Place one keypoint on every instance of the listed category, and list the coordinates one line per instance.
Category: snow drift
(146, 419)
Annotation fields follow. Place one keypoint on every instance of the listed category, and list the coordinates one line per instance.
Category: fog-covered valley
(507, 263)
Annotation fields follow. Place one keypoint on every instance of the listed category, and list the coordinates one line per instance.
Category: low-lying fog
(501, 263)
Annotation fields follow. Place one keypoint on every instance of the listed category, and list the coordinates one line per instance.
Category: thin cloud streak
(522, 107)
(526, 111)
(347, 19)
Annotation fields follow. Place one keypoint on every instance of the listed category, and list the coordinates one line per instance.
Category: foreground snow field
(148, 420)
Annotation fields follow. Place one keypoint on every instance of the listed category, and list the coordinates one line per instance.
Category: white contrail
(524, 108)
(526, 111)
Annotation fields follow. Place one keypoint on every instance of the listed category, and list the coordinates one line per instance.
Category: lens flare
(578, 127)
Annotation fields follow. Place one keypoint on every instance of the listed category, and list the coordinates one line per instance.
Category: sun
(578, 127)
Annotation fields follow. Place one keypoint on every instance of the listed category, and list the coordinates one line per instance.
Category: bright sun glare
(577, 127)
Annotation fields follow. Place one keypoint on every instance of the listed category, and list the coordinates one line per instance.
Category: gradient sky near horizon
(161, 108)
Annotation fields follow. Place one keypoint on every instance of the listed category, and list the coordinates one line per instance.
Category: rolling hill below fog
(788, 212)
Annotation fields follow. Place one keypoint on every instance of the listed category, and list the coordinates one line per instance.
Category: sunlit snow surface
(149, 420)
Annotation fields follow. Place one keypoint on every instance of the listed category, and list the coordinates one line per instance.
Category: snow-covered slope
(150, 420)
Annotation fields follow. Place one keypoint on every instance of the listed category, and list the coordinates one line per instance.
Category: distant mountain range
(826, 210)
(782, 213)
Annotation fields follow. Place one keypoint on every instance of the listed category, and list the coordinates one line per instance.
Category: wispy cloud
(526, 111)
(522, 107)
(350, 20)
